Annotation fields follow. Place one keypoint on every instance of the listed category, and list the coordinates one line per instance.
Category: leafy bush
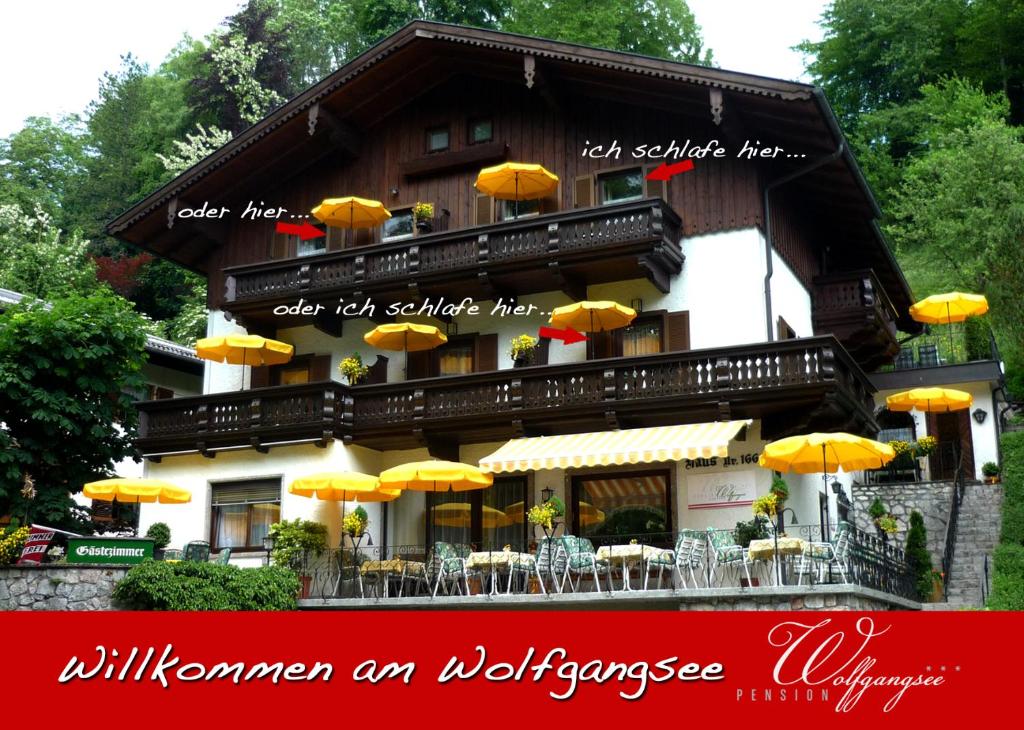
(877, 509)
(293, 539)
(1008, 579)
(780, 489)
(189, 586)
(755, 529)
(161, 535)
(918, 557)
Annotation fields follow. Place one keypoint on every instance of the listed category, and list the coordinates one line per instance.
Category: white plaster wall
(790, 299)
(220, 377)
(984, 436)
(192, 521)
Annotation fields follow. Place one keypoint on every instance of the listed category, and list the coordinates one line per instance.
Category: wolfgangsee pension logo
(822, 662)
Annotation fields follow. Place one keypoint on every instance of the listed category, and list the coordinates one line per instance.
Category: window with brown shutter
(378, 371)
(654, 188)
(486, 357)
(280, 246)
(260, 377)
(418, 365)
(335, 238)
(553, 202)
(583, 191)
(483, 211)
(677, 326)
(540, 355)
(319, 368)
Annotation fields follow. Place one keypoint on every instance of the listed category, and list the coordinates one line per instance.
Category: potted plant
(160, 534)
(545, 515)
(925, 446)
(991, 471)
(522, 350)
(353, 369)
(781, 491)
(887, 526)
(423, 214)
(355, 523)
(938, 587)
(294, 542)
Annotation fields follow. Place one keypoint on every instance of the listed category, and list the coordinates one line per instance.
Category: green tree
(918, 558)
(67, 376)
(37, 260)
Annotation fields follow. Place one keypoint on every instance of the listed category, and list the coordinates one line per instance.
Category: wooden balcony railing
(644, 227)
(854, 307)
(745, 380)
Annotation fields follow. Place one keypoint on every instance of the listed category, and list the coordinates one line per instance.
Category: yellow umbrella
(930, 400)
(136, 490)
(825, 452)
(592, 316)
(405, 336)
(244, 350)
(516, 181)
(948, 308)
(458, 514)
(343, 486)
(435, 476)
(351, 212)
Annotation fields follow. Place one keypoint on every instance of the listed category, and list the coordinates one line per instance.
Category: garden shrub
(1008, 568)
(160, 534)
(188, 586)
(918, 557)
(1008, 579)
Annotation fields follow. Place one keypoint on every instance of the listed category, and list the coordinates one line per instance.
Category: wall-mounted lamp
(979, 415)
(837, 487)
(451, 328)
(546, 493)
(637, 305)
(393, 191)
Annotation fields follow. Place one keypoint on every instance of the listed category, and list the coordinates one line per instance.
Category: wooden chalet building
(766, 289)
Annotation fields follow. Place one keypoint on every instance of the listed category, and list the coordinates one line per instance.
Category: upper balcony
(565, 250)
(791, 385)
(854, 307)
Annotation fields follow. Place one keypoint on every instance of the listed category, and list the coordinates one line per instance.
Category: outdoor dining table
(764, 549)
(497, 561)
(629, 555)
(395, 567)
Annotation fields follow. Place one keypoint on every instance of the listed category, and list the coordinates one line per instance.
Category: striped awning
(607, 448)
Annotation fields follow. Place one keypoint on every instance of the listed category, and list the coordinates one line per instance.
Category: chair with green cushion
(727, 554)
(819, 556)
(224, 556)
(446, 563)
(581, 559)
(687, 555)
(197, 551)
(173, 554)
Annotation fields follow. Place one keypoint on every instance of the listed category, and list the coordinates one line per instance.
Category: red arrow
(568, 335)
(664, 172)
(305, 231)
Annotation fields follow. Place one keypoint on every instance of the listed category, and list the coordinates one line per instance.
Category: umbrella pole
(517, 198)
(949, 323)
(824, 480)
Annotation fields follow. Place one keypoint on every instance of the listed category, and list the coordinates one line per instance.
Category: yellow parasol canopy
(405, 336)
(930, 400)
(951, 307)
(136, 490)
(244, 350)
(342, 486)
(592, 316)
(351, 212)
(825, 452)
(516, 181)
(435, 476)
(458, 514)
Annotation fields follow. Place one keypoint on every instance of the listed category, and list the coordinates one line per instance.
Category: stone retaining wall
(931, 499)
(58, 587)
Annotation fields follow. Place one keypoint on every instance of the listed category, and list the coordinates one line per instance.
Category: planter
(938, 594)
(424, 225)
(522, 362)
(752, 583)
(992, 480)
(304, 590)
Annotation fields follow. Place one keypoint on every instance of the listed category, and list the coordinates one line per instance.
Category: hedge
(1008, 569)
(189, 586)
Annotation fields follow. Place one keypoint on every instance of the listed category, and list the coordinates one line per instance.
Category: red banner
(35, 545)
(503, 669)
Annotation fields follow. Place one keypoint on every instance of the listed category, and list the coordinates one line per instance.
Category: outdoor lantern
(451, 328)
(637, 304)
(979, 415)
(546, 493)
(837, 487)
(268, 542)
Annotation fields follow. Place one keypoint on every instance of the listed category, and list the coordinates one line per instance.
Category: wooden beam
(342, 134)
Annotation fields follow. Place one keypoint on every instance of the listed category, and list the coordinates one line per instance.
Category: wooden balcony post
(723, 373)
(255, 407)
(359, 268)
(827, 363)
(412, 260)
(483, 251)
(553, 240)
(419, 404)
(230, 288)
(202, 418)
(327, 416)
(304, 277)
(348, 413)
(657, 220)
(515, 393)
(608, 379)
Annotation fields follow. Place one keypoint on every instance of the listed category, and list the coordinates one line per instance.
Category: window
(311, 247)
(620, 186)
(488, 519)
(293, 375)
(480, 130)
(437, 139)
(455, 358)
(399, 225)
(512, 209)
(623, 504)
(785, 331)
(243, 512)
(643, 337)
(158, 392)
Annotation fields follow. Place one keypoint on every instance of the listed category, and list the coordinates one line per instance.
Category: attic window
(480, 130)
(437, 139)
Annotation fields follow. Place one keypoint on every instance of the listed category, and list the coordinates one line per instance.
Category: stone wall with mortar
(931, 499)
(58, 587)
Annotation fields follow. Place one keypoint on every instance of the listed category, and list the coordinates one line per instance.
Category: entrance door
(953, 432)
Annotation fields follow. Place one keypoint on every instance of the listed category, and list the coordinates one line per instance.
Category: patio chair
(928, 356)
(905, 360)
(224, 556)
(197, 551)
(818, 557)
(447, 563)
(551, 561)
(728, 555)
(581, 559)
(687, 557)
(173, 554)
(527, 566)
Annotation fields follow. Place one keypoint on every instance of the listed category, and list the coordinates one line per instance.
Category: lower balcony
(791, 385)
(854, 307)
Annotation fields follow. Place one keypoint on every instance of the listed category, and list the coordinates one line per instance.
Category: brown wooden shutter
(161, 393)
(280, 246)
(319, 368)
(483, 212)
(677, 325)
(419, 364)
(260, 377)
(600, 345)
(485, 357)
(654, 188)
(540, 355)
(552, 203)
(378, 371)
(363, 236)
(583, 191)
(335, 238)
